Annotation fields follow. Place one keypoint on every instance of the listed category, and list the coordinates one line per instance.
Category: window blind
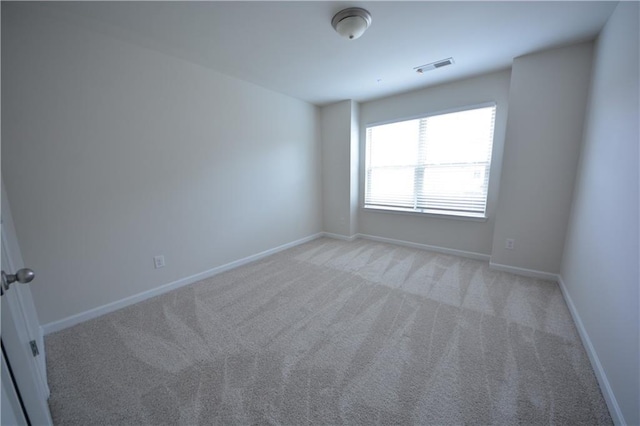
(436, 164)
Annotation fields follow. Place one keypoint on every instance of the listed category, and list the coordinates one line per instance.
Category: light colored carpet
(332, 332)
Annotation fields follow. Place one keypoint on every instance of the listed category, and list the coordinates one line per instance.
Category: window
(437, 164)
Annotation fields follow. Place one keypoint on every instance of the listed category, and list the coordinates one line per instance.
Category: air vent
(434, 65)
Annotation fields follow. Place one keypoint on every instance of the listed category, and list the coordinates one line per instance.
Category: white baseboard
(55, 326)
(524, 272)
(444, 250)
(607, 392)
(468, 254)
(339, 236)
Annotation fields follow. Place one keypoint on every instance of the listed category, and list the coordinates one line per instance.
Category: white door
(21, 330)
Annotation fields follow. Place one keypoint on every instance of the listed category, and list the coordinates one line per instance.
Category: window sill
(452, 216)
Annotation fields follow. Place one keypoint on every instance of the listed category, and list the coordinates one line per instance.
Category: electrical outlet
(509, 243)
(158, 261)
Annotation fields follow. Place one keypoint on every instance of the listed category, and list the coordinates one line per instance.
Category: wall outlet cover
(158, 261)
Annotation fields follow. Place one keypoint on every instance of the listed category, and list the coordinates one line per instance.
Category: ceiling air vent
(434, 65)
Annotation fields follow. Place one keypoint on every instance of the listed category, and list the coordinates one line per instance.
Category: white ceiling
(290, 47)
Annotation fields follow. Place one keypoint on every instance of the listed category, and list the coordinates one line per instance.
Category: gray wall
(339, 134)
(547, 99)
(354, 198)
(601, 256)
(114, 153)
(462, 235)
(335, 129)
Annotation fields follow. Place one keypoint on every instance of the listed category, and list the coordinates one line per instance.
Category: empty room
(318, 212)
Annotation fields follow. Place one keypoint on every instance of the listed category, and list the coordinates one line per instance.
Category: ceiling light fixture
(351, 23)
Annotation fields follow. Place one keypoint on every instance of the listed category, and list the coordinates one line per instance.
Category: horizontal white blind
(436, 164)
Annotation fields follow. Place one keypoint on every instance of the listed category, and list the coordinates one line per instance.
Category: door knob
(24, 276)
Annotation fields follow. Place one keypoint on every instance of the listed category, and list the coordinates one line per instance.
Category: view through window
(437, 164)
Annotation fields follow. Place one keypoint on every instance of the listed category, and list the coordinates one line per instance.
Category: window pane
(454, 187)
(459, 137)
(436, 164)
(455, 179)
(393, 144)
(390, 186)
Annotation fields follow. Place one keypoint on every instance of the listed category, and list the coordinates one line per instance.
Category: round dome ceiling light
(351, 23)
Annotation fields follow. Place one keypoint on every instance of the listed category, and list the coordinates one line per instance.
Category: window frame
(448, 214)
